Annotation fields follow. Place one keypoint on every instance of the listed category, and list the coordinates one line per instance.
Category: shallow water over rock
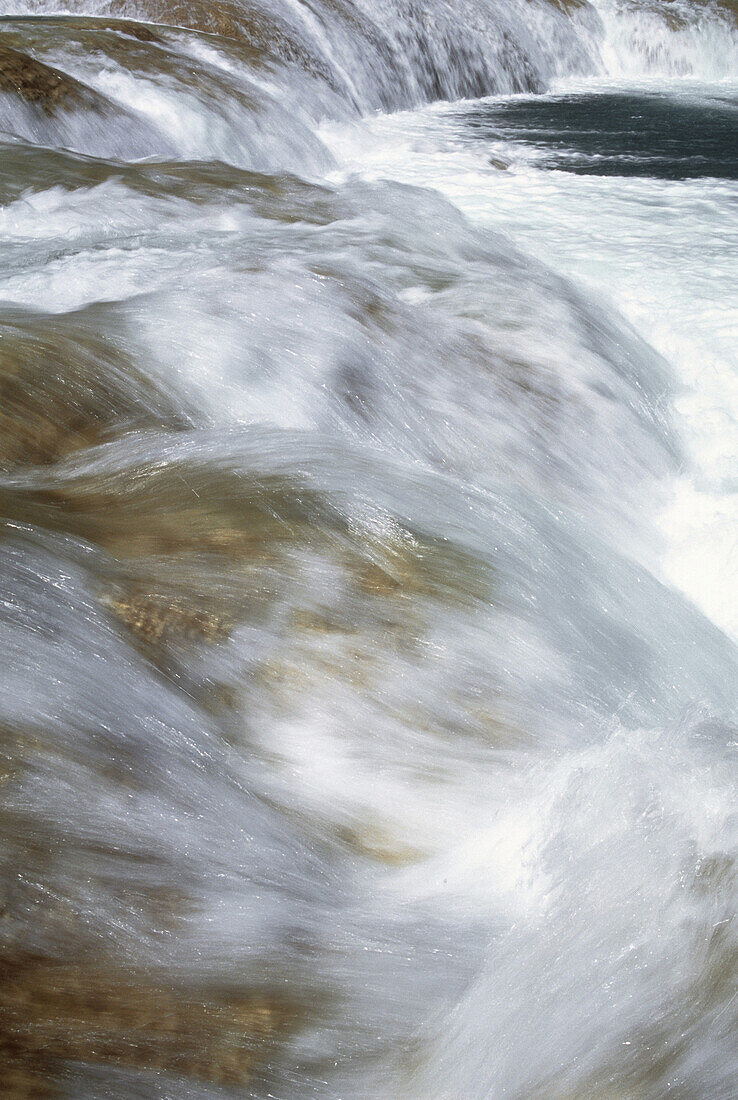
(351, 741)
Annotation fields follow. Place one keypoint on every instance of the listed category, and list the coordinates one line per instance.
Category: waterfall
(369, 691)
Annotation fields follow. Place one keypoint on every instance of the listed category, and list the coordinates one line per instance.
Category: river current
(368, 592)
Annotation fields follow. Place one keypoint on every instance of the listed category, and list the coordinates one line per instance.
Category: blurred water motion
(351, 743)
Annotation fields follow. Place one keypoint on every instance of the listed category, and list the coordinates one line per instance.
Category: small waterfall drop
(367, 715)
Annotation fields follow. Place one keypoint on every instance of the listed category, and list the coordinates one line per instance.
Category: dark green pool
(615, 134)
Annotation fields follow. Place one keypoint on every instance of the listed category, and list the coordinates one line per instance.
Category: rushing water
(367, 550)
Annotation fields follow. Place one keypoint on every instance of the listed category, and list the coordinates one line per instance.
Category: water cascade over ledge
(368, 434)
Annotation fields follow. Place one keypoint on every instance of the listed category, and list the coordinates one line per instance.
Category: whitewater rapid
(663, 253)
(369, 693)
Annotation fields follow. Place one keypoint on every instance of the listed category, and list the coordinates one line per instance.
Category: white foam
(664, 253)
(665, 40)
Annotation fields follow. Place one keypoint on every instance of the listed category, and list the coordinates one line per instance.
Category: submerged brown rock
(158, 617)
(52, 1012)
(63, 388)
(264, 33)
(567, 6)
(39, 84)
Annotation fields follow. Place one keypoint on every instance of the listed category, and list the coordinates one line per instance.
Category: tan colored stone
(38, 84)
(63, 388)
(51, 1011)
(160, 617)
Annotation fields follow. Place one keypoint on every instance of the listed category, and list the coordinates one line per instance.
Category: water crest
(360, 732)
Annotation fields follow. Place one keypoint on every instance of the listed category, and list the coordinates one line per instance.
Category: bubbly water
(368, 600)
